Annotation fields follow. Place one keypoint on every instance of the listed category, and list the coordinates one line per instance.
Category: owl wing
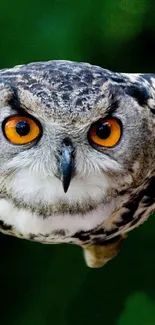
(105, 241)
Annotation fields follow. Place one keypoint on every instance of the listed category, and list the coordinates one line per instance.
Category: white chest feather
(27, 222)
(35, 190)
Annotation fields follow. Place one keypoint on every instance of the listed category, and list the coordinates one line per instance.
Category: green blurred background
(43, 284)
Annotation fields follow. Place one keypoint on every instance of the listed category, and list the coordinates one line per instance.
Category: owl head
(76, 144)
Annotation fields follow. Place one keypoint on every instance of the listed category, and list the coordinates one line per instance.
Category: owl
(77, 155)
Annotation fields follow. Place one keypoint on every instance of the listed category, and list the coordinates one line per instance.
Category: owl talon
(98, 255)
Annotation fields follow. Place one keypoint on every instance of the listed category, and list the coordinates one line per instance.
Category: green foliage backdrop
(41, 284)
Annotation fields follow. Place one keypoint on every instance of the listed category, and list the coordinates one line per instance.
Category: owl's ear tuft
(112, 93)
(6, 93)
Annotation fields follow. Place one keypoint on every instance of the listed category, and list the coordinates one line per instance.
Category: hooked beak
(66, 163)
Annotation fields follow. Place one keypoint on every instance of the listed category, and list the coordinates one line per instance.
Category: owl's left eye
(105, 132)
(20, 129)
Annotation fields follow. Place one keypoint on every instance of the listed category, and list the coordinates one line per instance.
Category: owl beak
(66, 163)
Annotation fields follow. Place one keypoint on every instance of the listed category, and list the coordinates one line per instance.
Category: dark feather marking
(14, 101)
(82, 235)
(32, 236)
(59, 232)
(126, 217)
(141, 94)
(5, 226)
(134, 222)
(104, 242)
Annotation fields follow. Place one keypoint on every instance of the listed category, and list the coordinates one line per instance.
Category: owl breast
(100, 224)
(56, 228)
(45, 213)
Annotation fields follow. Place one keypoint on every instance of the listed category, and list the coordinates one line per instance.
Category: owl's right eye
(20, 129)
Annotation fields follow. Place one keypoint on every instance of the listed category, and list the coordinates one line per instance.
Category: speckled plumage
(112, 189)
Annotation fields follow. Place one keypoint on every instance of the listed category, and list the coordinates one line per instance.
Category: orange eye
(105, 132)
(20, 129)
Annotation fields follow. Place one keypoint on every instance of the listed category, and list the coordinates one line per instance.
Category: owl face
(75, 141)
